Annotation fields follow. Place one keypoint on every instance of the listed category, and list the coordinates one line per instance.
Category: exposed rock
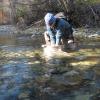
(94, 35)
(80, 57)
(86, 34)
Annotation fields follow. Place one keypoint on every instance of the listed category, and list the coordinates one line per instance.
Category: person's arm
(51, 34)
(48, 29)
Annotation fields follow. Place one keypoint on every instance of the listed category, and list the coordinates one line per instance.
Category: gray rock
(97, 70)
(70, 78)
(93, 35)
(80, 57)
(95, 96)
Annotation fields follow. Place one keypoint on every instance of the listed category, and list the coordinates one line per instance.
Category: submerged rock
(49, 51)
(97, 70)
(24, 95)
(80, 57)
(52, 55)
(71, 78)
(95, 96)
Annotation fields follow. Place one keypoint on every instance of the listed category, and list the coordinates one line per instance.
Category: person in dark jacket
(58, 29)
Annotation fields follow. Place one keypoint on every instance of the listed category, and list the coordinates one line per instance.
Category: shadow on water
(16, 76)
(21, 71)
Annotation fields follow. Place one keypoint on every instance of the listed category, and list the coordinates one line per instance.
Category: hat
(49, 19)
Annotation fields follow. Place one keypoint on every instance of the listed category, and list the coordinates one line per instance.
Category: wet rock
(48, 75)
(55, 61)
(48, 90)
(53, 55)
(95, 96)
(53, 71)
(97, 82)
(48, 72)
(88, 75)
(97, 70)
(42, 80)
(49, 52)
(86, 33)
(93, 36)
(80, 57)
(72, 46)
(82, 97)
(7, 29)
(23, 95)
(71, 78)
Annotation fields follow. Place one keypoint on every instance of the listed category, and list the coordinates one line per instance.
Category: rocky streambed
(26, 74)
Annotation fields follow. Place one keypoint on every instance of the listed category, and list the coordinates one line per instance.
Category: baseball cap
(49, 18)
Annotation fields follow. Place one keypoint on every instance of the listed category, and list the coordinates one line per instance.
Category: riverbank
(82, 32)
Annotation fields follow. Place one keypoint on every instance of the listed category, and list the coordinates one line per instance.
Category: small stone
(95, 96)
(71, 78)
(93, 35)
(47, 75)
(80, 57)
(97, 70)
(23, 95)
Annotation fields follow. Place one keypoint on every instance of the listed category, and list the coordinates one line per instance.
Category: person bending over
(58, 31)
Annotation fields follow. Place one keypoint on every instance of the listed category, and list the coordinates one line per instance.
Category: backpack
(60, 15)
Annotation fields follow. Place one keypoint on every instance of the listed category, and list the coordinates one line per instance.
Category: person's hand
(70, 41)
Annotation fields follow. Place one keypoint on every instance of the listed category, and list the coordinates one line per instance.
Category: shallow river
(20, 66)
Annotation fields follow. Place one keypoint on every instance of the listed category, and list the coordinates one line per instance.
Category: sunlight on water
(22, 69)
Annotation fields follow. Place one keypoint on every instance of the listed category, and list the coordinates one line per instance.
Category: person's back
(65, 29)
(63, 25)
